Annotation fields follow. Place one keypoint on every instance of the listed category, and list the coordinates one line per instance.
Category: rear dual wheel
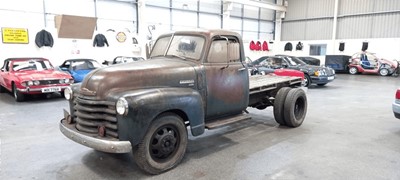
(290, 106)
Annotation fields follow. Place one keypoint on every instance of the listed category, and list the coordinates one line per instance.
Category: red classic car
(23, 76)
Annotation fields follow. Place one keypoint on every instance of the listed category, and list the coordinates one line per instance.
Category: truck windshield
(182, 46)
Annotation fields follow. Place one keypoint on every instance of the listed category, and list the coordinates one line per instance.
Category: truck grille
(92, 114)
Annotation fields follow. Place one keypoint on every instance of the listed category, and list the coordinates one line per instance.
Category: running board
(225, 121)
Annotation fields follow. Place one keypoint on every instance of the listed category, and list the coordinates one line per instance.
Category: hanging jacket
(100, 40)
(258, 46)
(299, 46)
(265, 46)
(44, 38)
(252, 46)
(288, 46)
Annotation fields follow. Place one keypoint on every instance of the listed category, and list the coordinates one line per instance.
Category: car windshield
(81, 65)
(32, 64)
(294, 61)
(181, 46)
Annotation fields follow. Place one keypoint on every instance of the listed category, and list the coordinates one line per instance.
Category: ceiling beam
(259, 4)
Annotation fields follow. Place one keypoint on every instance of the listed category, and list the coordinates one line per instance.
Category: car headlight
(61, 81)
(29, 83)
(122, 106)
(316, 73)
(66, 80)
(68, 93)
(36, 83)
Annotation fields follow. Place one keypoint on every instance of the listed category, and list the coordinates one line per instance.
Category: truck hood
(153, 73)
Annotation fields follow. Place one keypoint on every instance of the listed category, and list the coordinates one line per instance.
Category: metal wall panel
(303, 9)
(293, 31)
(354, 27)
(369, 26)
(347, 7)
(320, 8)
(297, 9)
(307, 30)
(267, 14)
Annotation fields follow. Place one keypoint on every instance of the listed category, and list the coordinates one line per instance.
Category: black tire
(384, 71)
(353, 70)
(18, 96)
(307, 80)
(155, 157)
(279, 103)
(295, 108)
(323, 84)
(2, 89)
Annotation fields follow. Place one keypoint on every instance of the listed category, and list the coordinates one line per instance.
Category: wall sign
(15, 35)
(121, 37)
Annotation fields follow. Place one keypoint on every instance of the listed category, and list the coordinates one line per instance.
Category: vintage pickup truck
(193, 80)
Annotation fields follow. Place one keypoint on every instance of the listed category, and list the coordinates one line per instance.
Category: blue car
(79, 68)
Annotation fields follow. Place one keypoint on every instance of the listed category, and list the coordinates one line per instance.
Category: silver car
(396, 105)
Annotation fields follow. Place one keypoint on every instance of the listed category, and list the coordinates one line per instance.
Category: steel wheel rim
(164, 143)
(299, 107)
(384, 72)
(15, 92)
(353, 70)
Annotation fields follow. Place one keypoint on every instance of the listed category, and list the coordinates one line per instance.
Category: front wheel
(307, 80)
(18, 96)
(2, 89)
(295, 107)
(353, 70)
(163, 145)
(383, 72)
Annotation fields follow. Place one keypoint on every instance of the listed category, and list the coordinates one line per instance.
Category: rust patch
(102, 130)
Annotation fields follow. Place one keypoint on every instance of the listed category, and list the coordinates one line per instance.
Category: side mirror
(2, 70)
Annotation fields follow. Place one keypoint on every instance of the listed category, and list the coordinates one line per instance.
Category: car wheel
(295, 107)
(163, 145)
(2, 89)
(18, 96)
(383, 71)
(323, 84)
(353, 70)
(307, 80)
(278, 104)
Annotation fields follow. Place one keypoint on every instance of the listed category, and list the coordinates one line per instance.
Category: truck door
(227, 80)
(4, 74)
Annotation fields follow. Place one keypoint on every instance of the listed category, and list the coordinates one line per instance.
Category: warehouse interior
(349, 131)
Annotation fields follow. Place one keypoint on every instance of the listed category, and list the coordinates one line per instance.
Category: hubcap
(353, 70)
(164, 143)
(384, 72)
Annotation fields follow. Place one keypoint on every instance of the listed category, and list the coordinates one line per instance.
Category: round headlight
(29, 83)
(68, 93)
(61, 81)
(122, 106)
(66, 80)
(36, 83)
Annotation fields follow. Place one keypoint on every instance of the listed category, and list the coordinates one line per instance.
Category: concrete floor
(349, 133)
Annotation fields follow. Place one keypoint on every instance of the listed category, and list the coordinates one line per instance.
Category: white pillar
(334, 28)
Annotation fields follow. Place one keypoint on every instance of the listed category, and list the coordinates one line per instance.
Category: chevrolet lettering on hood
(190, 82)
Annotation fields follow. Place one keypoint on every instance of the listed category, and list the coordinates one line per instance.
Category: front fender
(146, 104)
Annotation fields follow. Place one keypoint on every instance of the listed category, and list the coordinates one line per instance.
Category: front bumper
(396, 109)
(109, 145)
(322, 79)
(29, 90)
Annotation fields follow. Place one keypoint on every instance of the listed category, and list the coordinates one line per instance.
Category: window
(219, 52)
(318, 49)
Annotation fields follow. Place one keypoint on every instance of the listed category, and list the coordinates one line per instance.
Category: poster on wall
(15, 35)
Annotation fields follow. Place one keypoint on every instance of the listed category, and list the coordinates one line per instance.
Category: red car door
(5, 75)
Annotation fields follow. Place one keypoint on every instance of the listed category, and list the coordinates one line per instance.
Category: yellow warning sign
(15, 35)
